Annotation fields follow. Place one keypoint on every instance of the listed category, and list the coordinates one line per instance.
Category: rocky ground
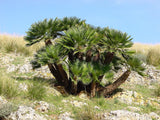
(134, 102)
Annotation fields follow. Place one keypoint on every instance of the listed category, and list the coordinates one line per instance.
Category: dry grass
(145, 48)
(151, 53)
(16, 44)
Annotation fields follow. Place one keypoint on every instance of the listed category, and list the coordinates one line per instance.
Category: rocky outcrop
(42, 106)
(132, 97)
(65, 116)
(3, 100)
(25, 113)
(127, 115)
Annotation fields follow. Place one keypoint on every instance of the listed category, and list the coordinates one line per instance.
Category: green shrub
(141, 57)
(8, 88)
(6, 109)
(153, 57)
(36, 91)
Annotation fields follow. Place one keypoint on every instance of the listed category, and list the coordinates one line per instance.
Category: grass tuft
(37, 91)
(8, 87)
(86, 113)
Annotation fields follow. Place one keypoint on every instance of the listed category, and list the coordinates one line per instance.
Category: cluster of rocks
(132, 97)
(42, 106)
(152, 76)
(127, 115)
(75, 103)
(3, 100)
(25, 113)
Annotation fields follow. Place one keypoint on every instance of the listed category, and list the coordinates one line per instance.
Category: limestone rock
(25, 68)
(127, 115)
(25, 113)
(42, 106)
(65, 116)
(23, 87)
(2, 100)
(130, 97)
(134, 109)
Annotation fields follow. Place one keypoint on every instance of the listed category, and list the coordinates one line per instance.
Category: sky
(138, 18)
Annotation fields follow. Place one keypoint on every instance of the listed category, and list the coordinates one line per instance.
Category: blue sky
(139, 18)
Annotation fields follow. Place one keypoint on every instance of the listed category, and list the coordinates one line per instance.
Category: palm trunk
(55, 73)
(109, 89)
(93, 89)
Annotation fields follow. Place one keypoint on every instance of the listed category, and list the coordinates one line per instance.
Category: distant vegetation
(15, 44)
(149, 54)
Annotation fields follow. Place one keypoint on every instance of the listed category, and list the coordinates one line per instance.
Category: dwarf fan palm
(82, 55)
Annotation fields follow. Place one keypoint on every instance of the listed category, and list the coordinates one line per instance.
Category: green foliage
(116, 40)
(136, 65)
(49, 29)
(7, 109)
(36, 91)
(86, 72)
(79, 39)
(141, 57)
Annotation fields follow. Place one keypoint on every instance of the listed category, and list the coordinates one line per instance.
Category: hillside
(31, 94)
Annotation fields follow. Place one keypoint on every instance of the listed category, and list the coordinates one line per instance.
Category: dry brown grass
(145, 48)
(14, 43)
(151, 52)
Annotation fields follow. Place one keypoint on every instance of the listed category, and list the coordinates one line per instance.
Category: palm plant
(79, 55)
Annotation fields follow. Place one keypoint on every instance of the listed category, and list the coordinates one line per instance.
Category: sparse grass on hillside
(8, 87)
(16, 44)
(37, 91)
(148, 53)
